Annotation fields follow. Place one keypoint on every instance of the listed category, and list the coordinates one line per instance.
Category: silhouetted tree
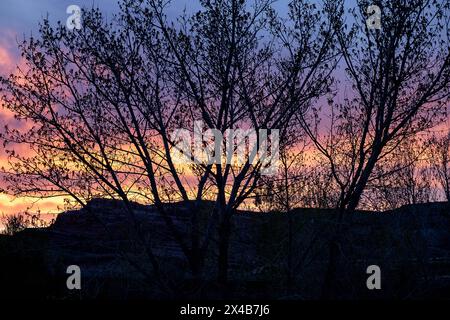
(399, 76)
(101, 104)
(439, 161)
(402, 178)
(400, 81)
(20, 221)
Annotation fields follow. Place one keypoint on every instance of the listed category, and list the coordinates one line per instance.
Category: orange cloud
(10, 206)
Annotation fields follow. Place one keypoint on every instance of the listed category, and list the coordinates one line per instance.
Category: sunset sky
(19, 19)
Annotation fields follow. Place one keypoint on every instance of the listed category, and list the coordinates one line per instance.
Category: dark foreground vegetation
(411, 245)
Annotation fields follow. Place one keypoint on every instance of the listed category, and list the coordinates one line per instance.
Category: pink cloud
(6, 60)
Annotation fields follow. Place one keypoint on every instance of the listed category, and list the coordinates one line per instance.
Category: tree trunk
(196, 253)
(290, 253)
(329, 283)
(224, 243)
(354, 198)
(349, 204)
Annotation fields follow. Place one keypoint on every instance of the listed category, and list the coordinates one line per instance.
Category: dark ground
(411, 245)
